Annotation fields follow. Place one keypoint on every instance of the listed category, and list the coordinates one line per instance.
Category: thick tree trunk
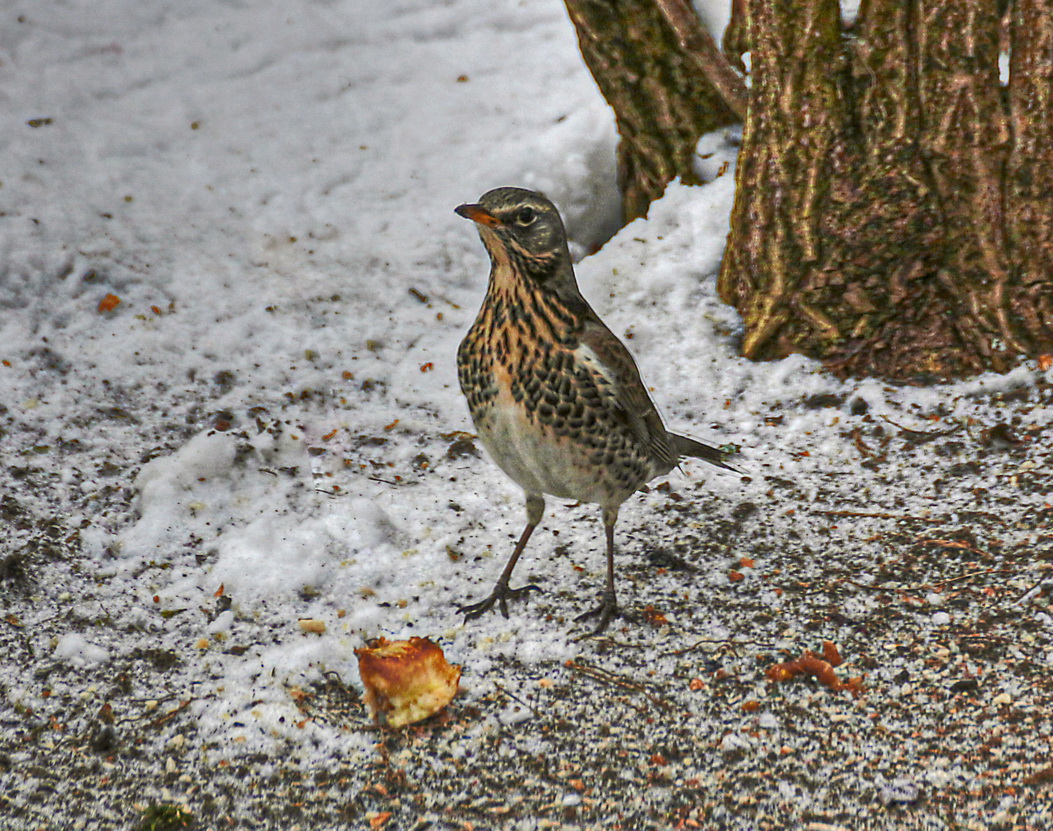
(667, 82)
(893, 214)
(1029, 173)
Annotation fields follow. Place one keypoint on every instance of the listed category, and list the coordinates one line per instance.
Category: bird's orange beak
(479, 214)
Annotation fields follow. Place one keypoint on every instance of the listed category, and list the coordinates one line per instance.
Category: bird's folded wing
(607, 356)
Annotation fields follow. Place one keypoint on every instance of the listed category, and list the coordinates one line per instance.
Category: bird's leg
(608, 608)
(502, 593)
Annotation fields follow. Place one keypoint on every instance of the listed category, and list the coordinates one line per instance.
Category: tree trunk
(893, 206)
(653, 61)
(1029, 172)
(894, 200)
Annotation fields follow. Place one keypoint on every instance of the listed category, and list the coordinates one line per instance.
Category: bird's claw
(606, 611)
(500, 595)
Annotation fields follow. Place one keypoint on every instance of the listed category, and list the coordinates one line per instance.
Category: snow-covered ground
(267, 428)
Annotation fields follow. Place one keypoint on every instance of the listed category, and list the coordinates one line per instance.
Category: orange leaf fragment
(822, 669)
(654, 617)
(736, 576)
(779, 672)
(1045, 362)
(109, 303)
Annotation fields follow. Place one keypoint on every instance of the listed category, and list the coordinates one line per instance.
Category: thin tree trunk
(653, 61)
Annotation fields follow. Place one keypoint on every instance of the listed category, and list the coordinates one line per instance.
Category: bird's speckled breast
(541, 410)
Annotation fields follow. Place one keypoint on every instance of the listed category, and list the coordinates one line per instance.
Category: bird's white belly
(538, 460)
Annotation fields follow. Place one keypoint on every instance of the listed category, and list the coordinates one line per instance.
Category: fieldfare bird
(556, 398)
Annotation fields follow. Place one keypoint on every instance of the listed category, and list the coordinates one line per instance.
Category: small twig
(334, 676)
(731, 643)
(919, 436)
(1041, 585)
(171, 714)
(959, 544)
(157, 702)
(878, 515)
(618, 681)
(864, 449)
(965, 577)
(515, 697)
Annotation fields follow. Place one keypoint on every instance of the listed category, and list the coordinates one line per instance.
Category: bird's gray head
(524, 228)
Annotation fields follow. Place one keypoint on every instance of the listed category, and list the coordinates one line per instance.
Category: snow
(76, 649)
(262, 430)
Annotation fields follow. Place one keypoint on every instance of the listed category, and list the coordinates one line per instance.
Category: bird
(556, 398)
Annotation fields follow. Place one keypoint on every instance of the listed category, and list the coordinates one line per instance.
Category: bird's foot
(606, 612)
(500, 595)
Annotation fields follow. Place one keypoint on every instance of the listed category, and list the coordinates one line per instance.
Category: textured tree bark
(894, 198)
(964, 137)
(667, 82)
(793, 132)
(1029, 173)
(893, 214)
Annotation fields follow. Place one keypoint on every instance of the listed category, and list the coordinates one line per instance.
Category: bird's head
(523, 228)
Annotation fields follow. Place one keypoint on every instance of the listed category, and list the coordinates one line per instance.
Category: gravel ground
(666, 723)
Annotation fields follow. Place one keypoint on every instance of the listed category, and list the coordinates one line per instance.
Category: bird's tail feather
(685, 446)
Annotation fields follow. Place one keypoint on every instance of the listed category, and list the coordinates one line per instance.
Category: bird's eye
(526, 216)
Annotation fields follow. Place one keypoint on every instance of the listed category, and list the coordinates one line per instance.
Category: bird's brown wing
(617, 366)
